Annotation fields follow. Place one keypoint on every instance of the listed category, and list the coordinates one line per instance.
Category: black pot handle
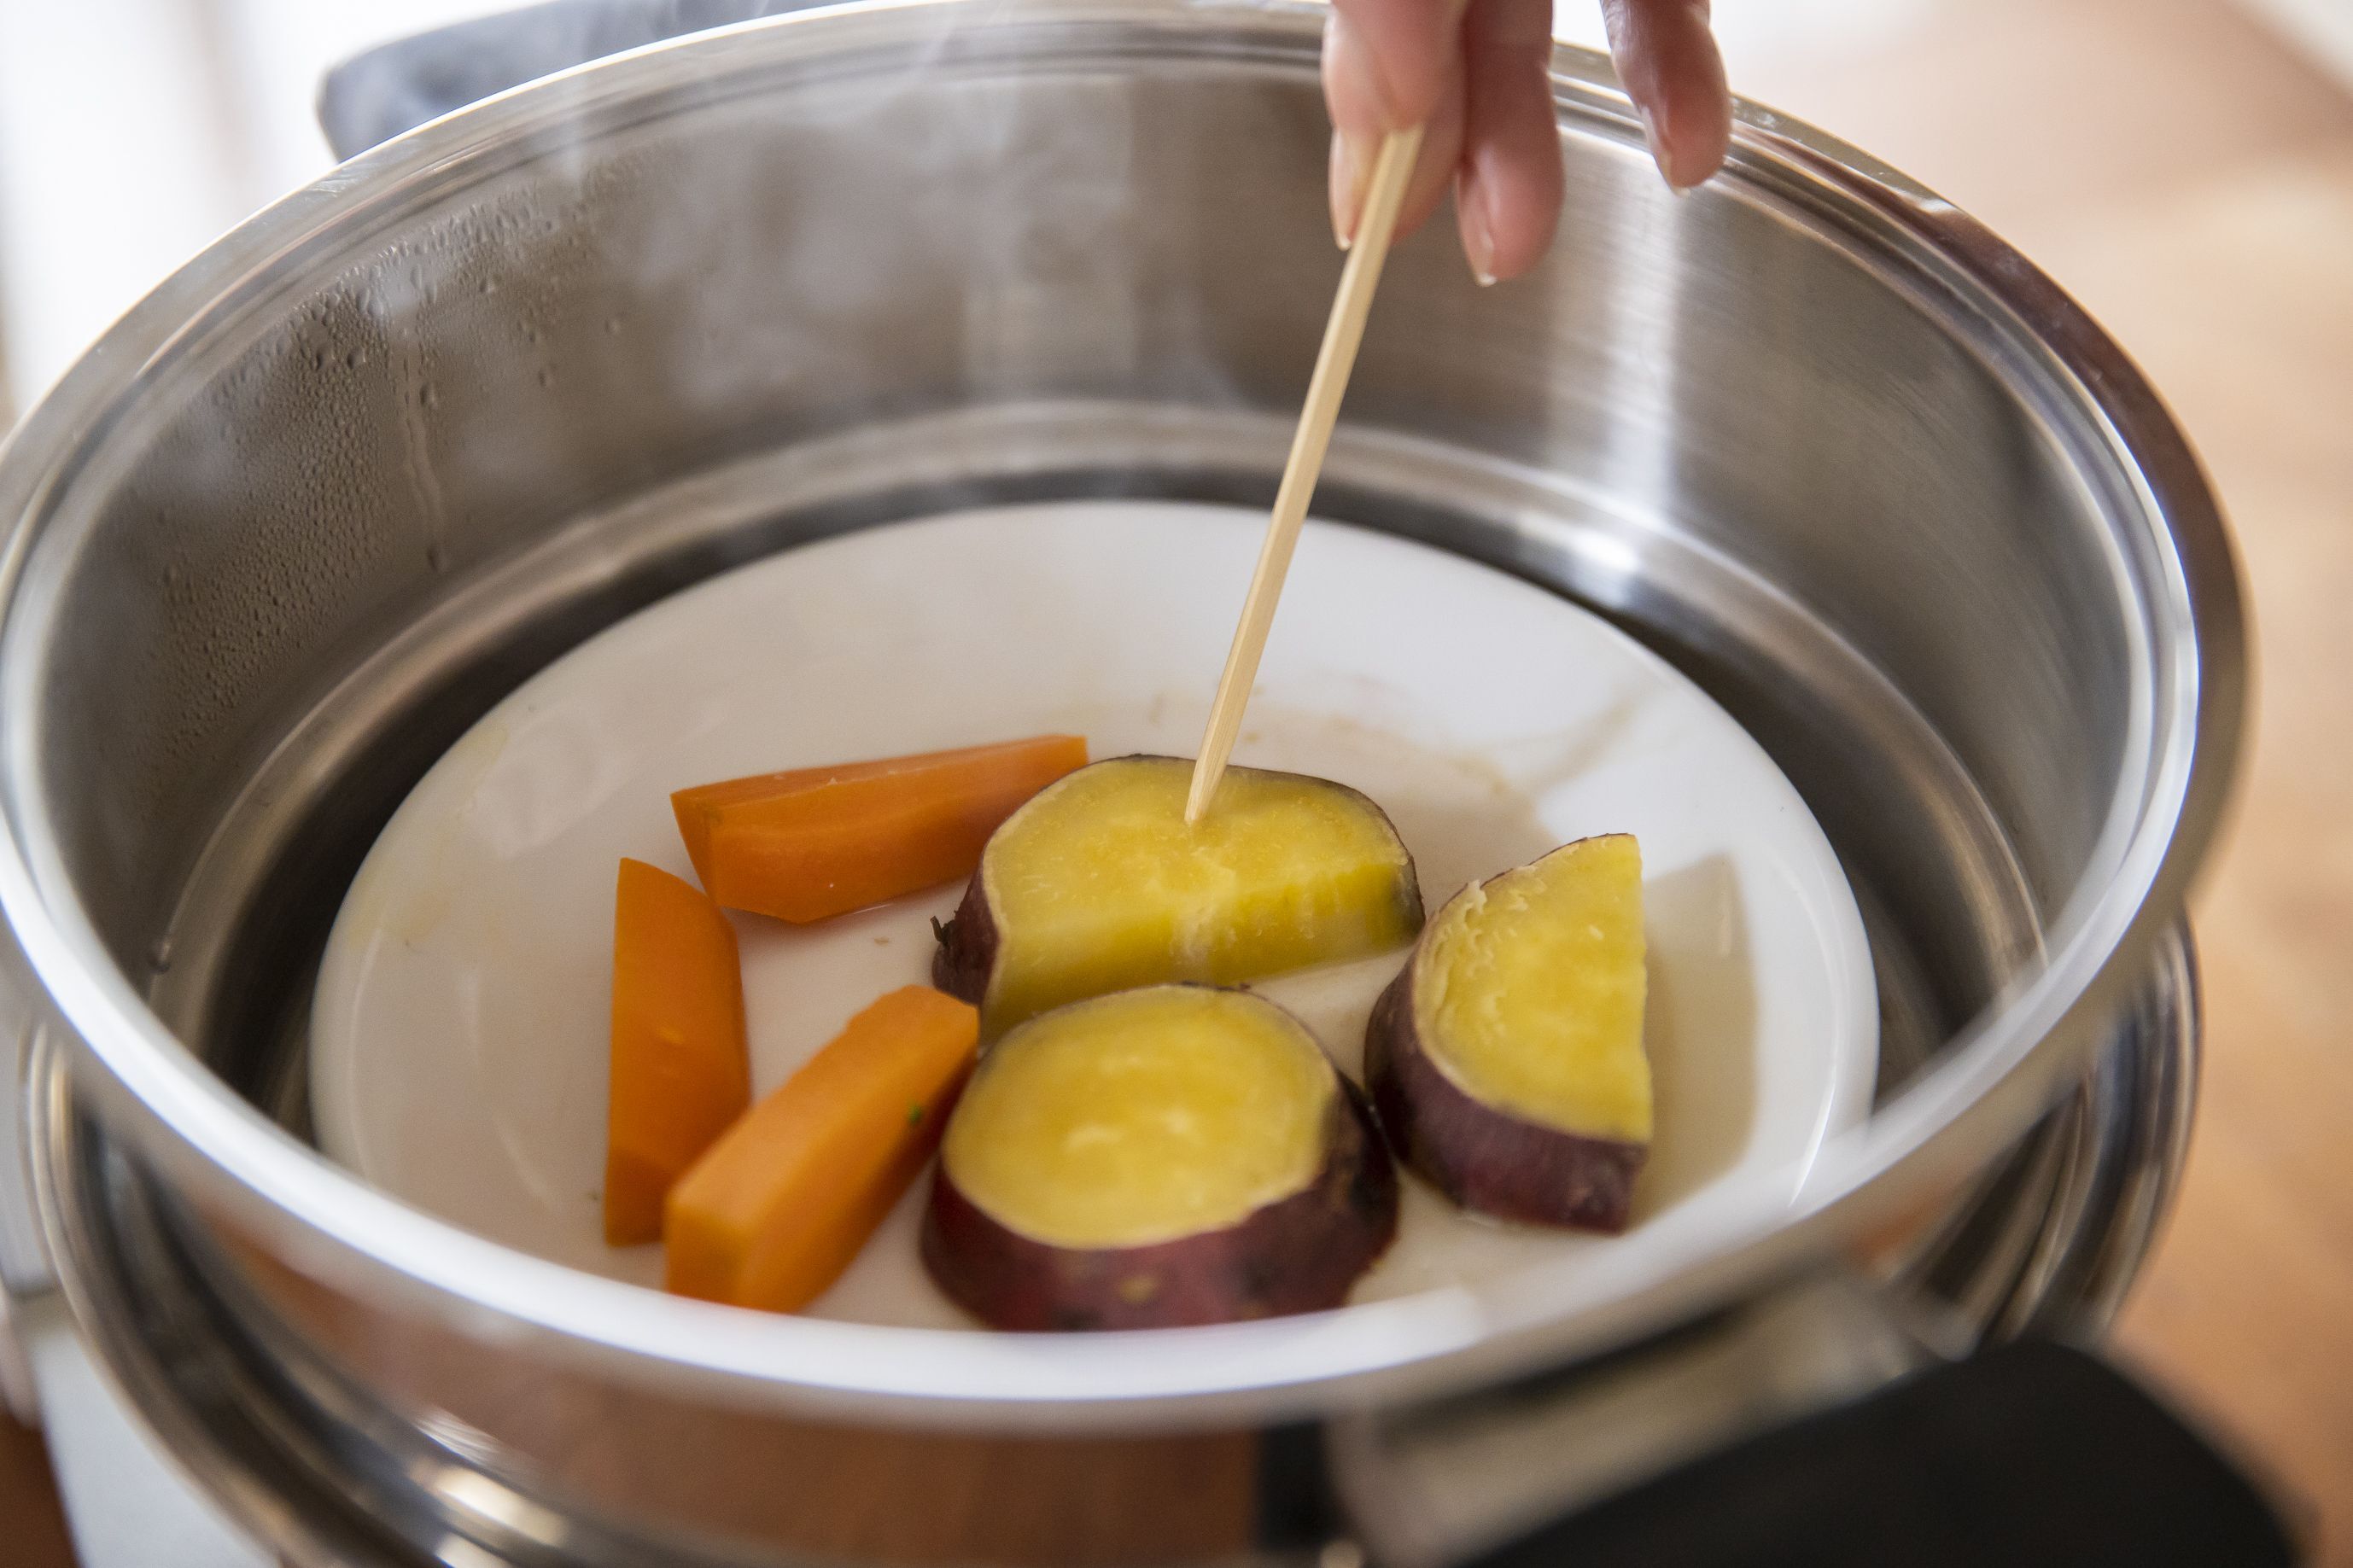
(1810, 1429)
(2033, 1455)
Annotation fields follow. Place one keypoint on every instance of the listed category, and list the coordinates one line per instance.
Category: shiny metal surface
(398, 441)
(24, 1270)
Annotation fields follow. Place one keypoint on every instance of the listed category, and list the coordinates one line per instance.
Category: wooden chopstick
(1385, 193)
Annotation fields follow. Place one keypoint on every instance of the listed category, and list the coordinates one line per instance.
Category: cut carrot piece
(680, 1071)
(782, 1203)
(813, 843)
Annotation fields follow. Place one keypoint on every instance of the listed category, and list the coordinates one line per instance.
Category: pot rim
(1996, 1075)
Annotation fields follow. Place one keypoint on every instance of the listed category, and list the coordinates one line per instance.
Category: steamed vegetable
(1100, 885)
(1507, 1058)
(1166, 1156)
(813, 843)
(781, 1203)
(679, 1072)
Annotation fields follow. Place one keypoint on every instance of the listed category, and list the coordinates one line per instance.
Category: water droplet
(355, 359)
(613, 326)
(436, 559)
(547, 378)
(159, 957)
(428, 395)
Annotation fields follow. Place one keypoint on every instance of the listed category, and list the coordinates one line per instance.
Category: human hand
(1478, 79)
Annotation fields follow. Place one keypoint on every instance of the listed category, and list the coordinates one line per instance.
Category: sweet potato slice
(679, 1072)
(1161, 1157)
(783, 1202)
(1507, 1058)
(813, 843)
(1099, 885)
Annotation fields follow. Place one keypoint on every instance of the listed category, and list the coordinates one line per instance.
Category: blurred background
(2185, 167)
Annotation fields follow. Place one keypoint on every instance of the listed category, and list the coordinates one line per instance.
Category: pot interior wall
(397, 469)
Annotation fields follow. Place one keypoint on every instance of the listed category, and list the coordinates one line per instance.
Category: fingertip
(1507, 210)
(1700, 153)
(1508, 197)
(1692, 133)
(1668, 63)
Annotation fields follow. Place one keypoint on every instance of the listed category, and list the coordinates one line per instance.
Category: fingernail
(1650, 138)
(1662, 154)
(1350, 169)
(1478, 232)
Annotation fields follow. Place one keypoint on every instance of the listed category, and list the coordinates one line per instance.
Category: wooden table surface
(2190, 179)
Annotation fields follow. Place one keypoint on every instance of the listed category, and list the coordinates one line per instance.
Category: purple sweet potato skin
(1299, 1253)
(968, 948)
(1486, 1160)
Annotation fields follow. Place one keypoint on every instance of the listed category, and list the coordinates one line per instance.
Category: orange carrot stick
(680, 1071)
(813, 843)
(782, 1203)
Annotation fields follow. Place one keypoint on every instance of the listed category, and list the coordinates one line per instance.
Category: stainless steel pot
(388, 447)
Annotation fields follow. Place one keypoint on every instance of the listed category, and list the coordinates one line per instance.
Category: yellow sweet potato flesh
(1141, 1117)
(1099, 884)
(1529, 992)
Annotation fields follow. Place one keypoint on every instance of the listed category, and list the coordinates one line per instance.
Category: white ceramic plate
(459, 1033)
